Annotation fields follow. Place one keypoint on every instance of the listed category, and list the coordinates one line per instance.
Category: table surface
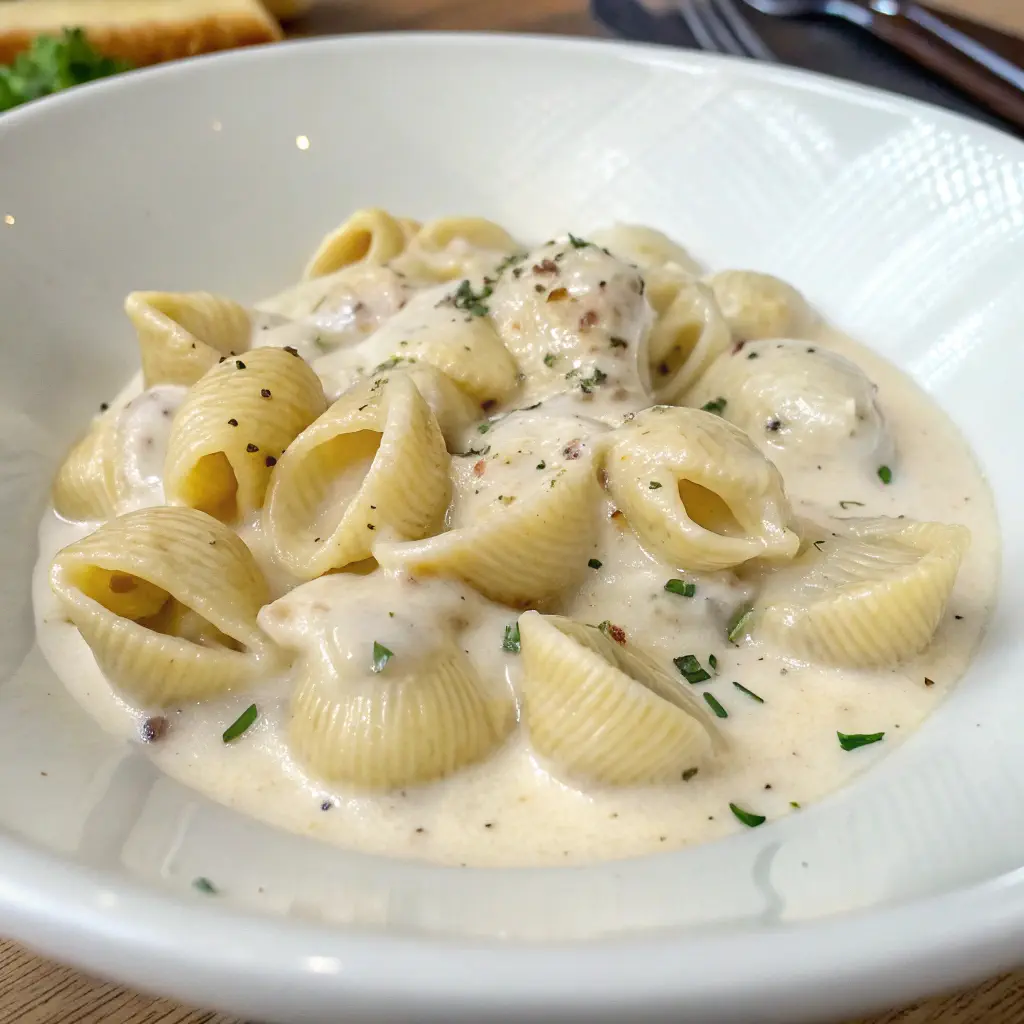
(35, 991)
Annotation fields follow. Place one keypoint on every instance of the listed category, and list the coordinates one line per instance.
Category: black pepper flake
(929, 682)
(232, 422)
(250, 447)
(326, 805)
(154, 729)
(265, 393)
(270, 461)
(488, 824)
(239, 364)
(773, 426)
(104, 406)
(291, 350)
(370, 526)
(538, 288)
(958, 617)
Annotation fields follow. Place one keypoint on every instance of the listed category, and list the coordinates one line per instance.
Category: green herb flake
(509, 261)
(851, 504)
(749, 693)
(737, 627)
(549, 359)
(690, 669)
(818, 544)
(578, 243)
(587, 384)
(511, 640)
(381, 656)
(617, 342)
(861, 739)
(681, 587)
(594, 563)
(689, 774)
(241, 724)
(654, 485)
(204, 885)
(482, 428)
(542, 464)
(715, 706)
(54, 63)
(795, 804)
(469, 301)
(885, 474)
(748, 819)
(717, 406)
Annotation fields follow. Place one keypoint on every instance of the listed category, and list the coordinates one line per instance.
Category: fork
(719, 27)
(926, 38)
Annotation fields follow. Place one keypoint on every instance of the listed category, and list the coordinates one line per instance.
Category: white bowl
(903, 224)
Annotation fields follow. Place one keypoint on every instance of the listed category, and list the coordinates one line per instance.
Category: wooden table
(35, 991)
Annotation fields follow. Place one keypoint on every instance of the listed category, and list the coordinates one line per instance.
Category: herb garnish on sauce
(748, 819)
(381, 656)
(241, 724)
(715, 706)
(855, 740)
(885, 474)
(511, 640)
(749, 693)
(690, 669)
(681, 587)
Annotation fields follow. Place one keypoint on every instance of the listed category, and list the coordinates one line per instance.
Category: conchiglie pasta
(760, 306)
(868, 593)
(797, 398)
(606, 713)
(648, 248)
(686, 339)
(384, 696)
(696, 491)
(232, 428)
(368, 236)
(86, 485)
(444, 328)
(374, 465)
(452, 247)
(522, 549)
(167, 599)
(183, 334)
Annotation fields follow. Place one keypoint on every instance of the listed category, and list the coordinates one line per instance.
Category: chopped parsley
(483, 427)
(717, 406)
(855, 740)
(689, 774)
(715, 706)
(241, 724)
(578, 243)
(681, 587)
(654, 485)
(594, 563)
(204, 885)
(748, 819)
(381, 656)
(587, 384)
(738, 625)
(509, 261)
(690, 669)
(542, 464)
(713, 662)
(466, 299)
(511, 640)
(851, 504)
(885, 474)
(749, 693)
(549, 359)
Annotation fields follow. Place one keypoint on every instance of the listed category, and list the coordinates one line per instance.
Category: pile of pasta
(461, 328)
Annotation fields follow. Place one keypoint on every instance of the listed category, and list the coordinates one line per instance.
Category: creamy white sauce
(510, 809)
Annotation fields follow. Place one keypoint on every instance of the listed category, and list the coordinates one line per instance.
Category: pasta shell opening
(371, 236)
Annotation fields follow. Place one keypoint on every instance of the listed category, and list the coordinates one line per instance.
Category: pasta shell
(232, 428)
(452, 408)
(86, 485)
(647, 248)
(760, 305)
(452, 247)
(183, 334)
(368, 236)
(603, 712)
(398, 728)
(167, 600)
(686, 339)
(871, 596)
(374, 465)
(795, 397)
(523, 553)
(696, 491)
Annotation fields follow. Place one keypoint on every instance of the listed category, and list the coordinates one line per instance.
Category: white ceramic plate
(903, 224)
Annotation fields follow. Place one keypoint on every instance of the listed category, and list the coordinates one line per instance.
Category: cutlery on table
(925, 37)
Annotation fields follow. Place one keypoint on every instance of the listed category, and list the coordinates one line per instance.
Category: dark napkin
(829, 45)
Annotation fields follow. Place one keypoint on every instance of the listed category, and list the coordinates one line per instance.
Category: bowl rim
(243, 962)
